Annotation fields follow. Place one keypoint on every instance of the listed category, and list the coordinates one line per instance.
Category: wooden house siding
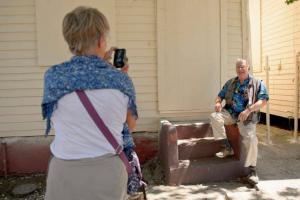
(235, 37)
(136, 31)
(297, 41)
(279, 43)
(21, 79)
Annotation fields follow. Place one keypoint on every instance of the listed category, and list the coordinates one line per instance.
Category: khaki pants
(101, 178)
(248, 134)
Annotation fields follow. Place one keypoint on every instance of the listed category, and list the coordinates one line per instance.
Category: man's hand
(255, 107)
(218, 107)
(244, 115)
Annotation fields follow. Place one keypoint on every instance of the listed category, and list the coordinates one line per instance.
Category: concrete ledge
(23, 155)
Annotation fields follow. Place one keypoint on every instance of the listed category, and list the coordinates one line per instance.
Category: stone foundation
(22, 155)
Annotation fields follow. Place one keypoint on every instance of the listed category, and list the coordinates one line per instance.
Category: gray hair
(83, 27)
(241, 62)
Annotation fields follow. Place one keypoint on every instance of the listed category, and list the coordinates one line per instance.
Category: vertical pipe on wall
(296, 111)
(268, 104)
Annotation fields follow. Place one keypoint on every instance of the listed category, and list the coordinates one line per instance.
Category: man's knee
(249, 138)
(253, 139)
(248, 131)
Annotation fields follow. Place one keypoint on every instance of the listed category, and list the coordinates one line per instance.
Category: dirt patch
(281, 158)
(9, 183)
(153, 172)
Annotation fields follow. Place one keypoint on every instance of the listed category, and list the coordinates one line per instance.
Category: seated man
(244, 95)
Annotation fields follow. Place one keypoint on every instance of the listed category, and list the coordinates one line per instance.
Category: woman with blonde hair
(84, 164)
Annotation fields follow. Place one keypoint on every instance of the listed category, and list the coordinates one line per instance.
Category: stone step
(195, 148)
(187, 154)
(206, 170)
(194, 130)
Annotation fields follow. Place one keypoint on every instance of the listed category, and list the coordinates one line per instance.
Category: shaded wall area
(286, 123)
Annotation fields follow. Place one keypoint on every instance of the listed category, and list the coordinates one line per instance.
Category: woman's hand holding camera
(108, 54)
(108, 57)
(126, 65)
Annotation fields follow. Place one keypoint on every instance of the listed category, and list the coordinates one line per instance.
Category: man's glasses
(241, 67)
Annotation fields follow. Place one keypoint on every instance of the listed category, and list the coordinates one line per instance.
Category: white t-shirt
(76, 134)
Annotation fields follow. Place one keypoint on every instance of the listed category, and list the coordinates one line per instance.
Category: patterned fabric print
(127, 138)
(81, 73)
(262, 92)
(240, 96)
(135, 179)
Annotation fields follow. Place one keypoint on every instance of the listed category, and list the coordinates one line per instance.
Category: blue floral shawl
(82, 73)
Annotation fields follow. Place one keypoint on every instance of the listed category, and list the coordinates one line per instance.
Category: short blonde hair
(83, 27)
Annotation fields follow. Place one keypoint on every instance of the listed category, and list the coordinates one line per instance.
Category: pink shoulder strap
(103, 128)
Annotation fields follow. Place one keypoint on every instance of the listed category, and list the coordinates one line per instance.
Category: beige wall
(21, 79)
(189, 55)
(233, 42)
(236, 37)
(280, 30)
(136, 31)
(51, 46)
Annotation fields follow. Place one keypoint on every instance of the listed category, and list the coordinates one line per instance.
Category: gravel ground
(8, 184)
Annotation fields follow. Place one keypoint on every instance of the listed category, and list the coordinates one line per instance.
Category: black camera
(119, 58)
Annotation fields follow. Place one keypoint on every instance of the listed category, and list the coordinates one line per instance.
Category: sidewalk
(278, 169)
(273, 189)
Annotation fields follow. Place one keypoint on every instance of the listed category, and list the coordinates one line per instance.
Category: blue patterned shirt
(240, 96)
(82, 73)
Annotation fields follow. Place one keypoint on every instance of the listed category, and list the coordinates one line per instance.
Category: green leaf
(290, 1)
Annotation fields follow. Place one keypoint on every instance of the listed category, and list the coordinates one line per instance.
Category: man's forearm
(258, 105)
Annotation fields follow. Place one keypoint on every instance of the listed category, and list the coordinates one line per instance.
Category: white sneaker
(225, 153)
(252, 177)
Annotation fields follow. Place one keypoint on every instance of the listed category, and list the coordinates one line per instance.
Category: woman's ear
(101, 47)
(99, 42)
(102, 42)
